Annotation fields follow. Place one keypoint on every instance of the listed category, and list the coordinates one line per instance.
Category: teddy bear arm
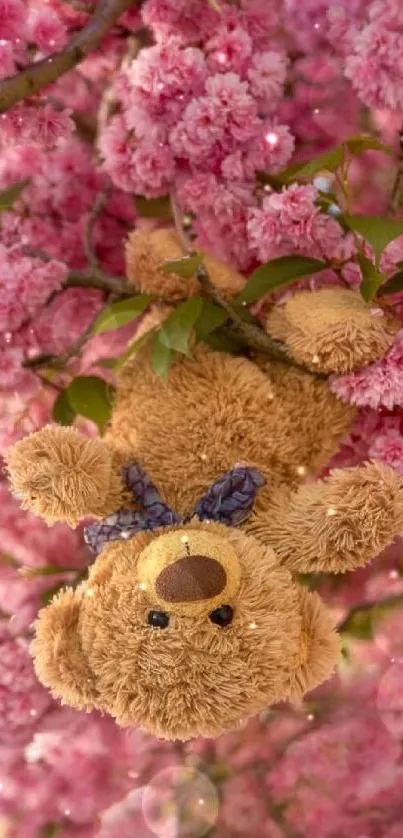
(336, 524)
(64, 476)
(332, 330)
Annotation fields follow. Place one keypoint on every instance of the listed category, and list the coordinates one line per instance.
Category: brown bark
(42, 73)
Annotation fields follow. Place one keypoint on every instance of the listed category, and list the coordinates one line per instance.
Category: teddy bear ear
(319, 649)
(59, 660)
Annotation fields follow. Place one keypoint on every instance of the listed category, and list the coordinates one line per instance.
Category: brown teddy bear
(206, 510)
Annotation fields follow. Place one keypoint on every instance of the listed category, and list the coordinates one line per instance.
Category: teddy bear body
(190, 623)
(219, 411)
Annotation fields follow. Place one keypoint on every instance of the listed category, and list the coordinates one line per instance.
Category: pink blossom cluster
(30, 27)
(28, 23)
(378, 385)
(38, 316)
(187, 112)
(375, 63)
(22, 700)
(376, 434)
(27, 547)
(320, 93)
(52, 212)
(43, 126)
(26, 284)
(291, 222)
(350, 747)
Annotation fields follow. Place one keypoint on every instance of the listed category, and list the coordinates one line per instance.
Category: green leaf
(47, 596)
(356, 145)
(359, 624)
(326, 199)
(10, 195)
(185, 267)
(220, 342)
(108, 363)
(63, 412)
(211, 318)
(45, 570)
(290, 173)
(118, 314)
(175, 332)
(50, 829)
(329, 161)
(363, 619)
(8, 560)
(161, 357)
(89, 396)
(276, 273)
(153, 207)
(371, 278)
(376, 230)
(393, 284)
(133, 348)
(275, 181)
(244, 313)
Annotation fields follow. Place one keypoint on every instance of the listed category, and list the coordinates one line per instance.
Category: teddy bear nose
(190, 571)
(191, 579)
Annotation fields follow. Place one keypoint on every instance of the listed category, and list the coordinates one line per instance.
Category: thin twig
(395, 196)
(274, 811)
(86, 126)
(117, 285)
(108, 101)
(105, 282)
(59, 362)
(46, 381)
(253, 336)
(365, 607)
(99, 205)
(42, 73)
(177, 217)
(78, 6)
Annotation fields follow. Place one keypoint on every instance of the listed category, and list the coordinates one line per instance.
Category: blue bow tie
(229, 501)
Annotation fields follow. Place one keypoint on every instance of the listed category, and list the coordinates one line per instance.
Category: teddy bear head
(184, 629)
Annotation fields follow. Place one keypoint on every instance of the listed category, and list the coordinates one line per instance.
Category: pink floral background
(196, 99)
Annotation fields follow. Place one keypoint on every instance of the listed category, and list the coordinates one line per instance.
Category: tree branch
(247, 333)
(367, 607)
(99, 205)
(395, 196)
(42, 73)
(59, 362)
(255, 337)
(108, 102)
(114, 284)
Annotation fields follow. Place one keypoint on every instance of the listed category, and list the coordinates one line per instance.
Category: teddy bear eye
(222, 616)
(158, 619)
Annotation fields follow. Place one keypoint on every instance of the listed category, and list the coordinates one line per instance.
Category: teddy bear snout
(189, 571)
(191, 579)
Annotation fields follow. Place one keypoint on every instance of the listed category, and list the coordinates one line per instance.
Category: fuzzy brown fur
(333, 330)
(194, 677)
(94, 647)
(146, 251)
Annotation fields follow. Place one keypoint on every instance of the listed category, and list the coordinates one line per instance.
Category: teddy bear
(204, 507)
